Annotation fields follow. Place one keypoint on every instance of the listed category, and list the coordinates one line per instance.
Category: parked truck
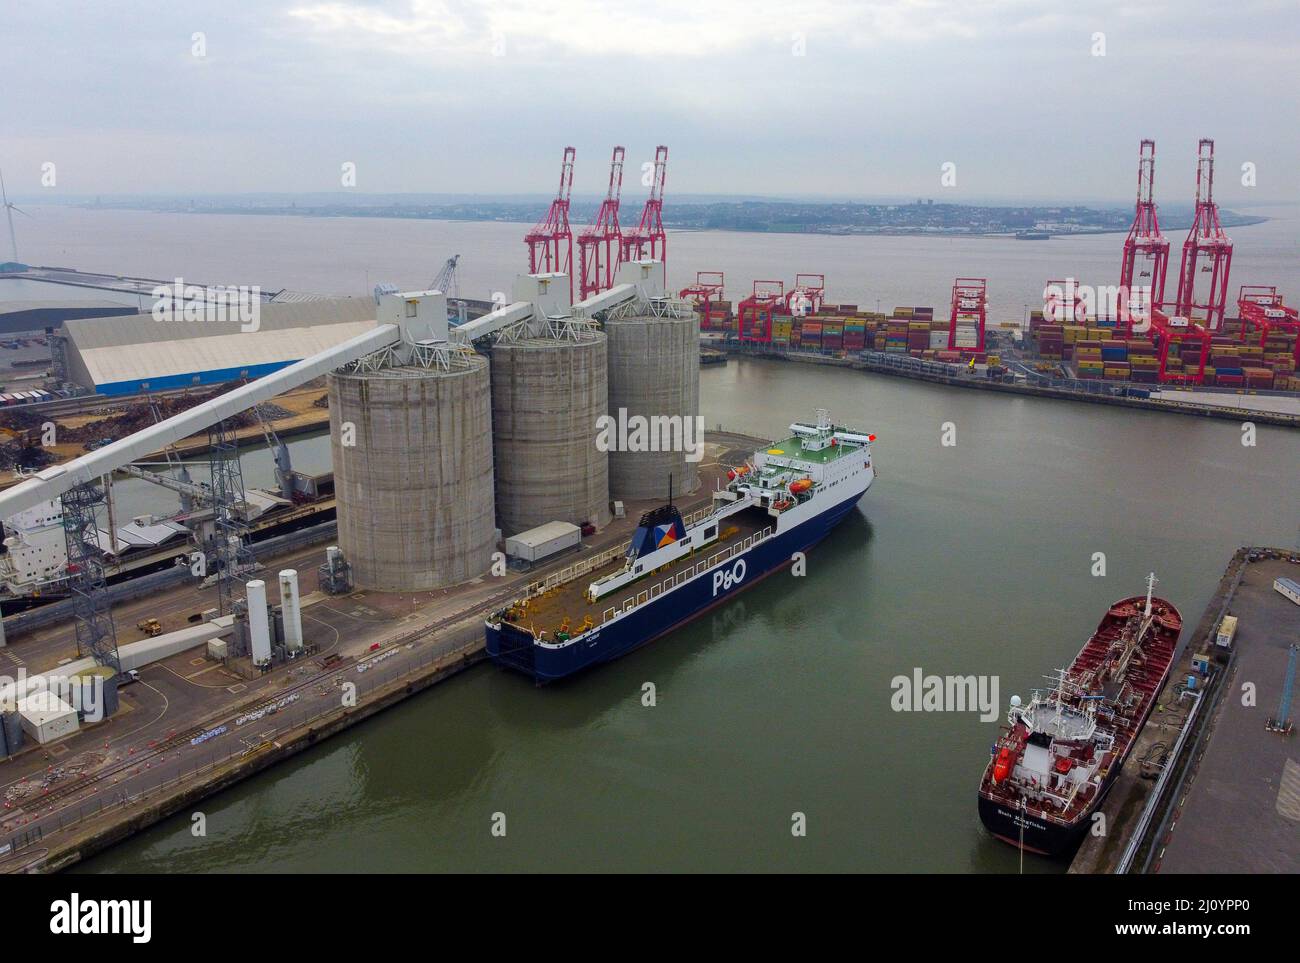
(1223, 639)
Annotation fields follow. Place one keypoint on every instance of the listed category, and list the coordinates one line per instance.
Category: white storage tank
(291, 608)
(259, 623)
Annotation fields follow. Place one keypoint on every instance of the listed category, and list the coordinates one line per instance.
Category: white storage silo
(291, 608)
(259, 624)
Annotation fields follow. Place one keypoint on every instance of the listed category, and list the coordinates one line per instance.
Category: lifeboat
(800, 486)
(1009, 755)
(1006, 762)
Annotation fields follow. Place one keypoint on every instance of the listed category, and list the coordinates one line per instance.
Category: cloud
(883, 93)
(672, 30)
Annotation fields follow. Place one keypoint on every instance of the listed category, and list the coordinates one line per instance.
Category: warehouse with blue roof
(136, 353)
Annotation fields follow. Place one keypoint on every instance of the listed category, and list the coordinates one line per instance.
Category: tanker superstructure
(1059, 755)
(785, 500)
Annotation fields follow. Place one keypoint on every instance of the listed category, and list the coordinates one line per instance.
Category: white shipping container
(1288, 587)
(543, 541)
(137, 655)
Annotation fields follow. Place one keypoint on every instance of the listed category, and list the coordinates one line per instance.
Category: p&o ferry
(782, 501)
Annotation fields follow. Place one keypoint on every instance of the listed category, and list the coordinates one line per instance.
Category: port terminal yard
(192, 725)
(1064, 389)
(1210, 787)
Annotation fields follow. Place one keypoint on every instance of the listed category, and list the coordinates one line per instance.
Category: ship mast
(1151, 584)
(1060, 701)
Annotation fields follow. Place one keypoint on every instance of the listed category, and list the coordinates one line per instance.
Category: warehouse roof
(42, 707)
(136, 352)
(142, 328)
(20, 316)
(64, 304)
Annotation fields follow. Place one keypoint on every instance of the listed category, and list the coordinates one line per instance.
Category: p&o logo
(726, 579)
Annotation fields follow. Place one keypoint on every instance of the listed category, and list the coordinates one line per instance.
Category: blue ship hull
(515, 648)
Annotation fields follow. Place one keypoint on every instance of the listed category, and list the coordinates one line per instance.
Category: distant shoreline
(1231, 221)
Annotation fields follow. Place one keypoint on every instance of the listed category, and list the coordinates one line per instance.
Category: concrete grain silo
(654, 374)
(412, 451)
(548, 394)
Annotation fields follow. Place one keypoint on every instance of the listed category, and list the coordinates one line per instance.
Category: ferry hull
(515, 648)
(1041, 837)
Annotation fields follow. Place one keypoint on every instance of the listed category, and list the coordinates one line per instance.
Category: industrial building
(430, 425)
(46, 717)
(104, 354)
(19, 317)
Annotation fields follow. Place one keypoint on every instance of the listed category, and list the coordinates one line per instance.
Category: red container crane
(647, 239)
(808, 293)
(1167, 331)
(969, 305)
(1144, 241)
(1207, 250)
(754, 314)
(1066, 307)
(706, 289)
(1262, 308)
(600, 245)
(550, 242)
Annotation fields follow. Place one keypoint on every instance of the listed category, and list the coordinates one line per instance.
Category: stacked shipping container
(1095, 350)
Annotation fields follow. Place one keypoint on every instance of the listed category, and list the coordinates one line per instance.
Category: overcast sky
(752, 96)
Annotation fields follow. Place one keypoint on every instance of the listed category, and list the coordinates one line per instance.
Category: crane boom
(57, 479)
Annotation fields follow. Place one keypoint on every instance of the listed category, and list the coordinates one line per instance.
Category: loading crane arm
(58, 479)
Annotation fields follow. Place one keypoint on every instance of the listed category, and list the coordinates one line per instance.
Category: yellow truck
(1223, 639)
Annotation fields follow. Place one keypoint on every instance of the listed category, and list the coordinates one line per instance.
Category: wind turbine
(9, 214)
